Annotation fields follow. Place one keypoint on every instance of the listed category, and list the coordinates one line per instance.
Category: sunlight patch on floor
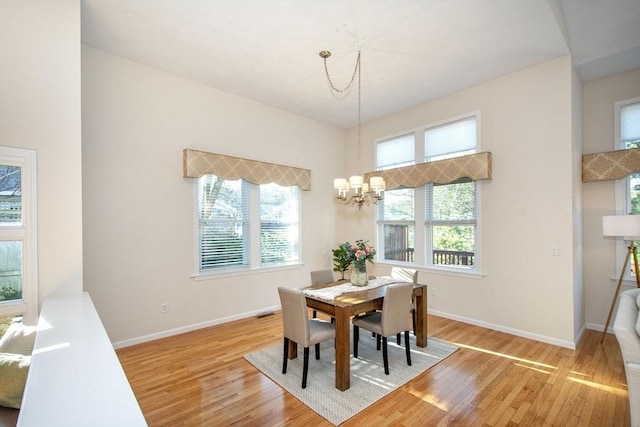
(506, 356)
(431, 399)
(603, 387)
(542, 371)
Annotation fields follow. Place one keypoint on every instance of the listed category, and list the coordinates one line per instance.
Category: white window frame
(422, 250)
(26, 232)
(255, 265)
(622, 190)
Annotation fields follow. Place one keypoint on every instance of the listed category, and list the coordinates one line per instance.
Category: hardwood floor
(495, 379)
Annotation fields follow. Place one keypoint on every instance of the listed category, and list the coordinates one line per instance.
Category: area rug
(368, 381)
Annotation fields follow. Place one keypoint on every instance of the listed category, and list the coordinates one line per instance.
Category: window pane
(452, 202)
(630, 126)
(10, 271)
(279, 224)
(454, 245)
(398, 242)
(397, 205)
(223, 222)
(634, 189)
(450, 140)
(395, 152)
(10, 195)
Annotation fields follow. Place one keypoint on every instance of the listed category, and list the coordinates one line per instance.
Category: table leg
(293, 350)
(343, 354)
(421, 318)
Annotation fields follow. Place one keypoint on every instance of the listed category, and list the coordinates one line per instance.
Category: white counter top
(75, 378)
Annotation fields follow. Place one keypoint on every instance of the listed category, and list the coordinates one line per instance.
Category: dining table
(342, 301)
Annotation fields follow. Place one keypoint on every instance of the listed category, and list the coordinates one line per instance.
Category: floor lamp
(627, 227)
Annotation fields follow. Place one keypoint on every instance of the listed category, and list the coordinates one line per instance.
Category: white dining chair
(392, 320)
(320, 277)
(298, 328)
(407, 275)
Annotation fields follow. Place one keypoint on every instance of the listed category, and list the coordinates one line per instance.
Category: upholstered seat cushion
(13, 377)
(319, 331)
(18, 339)
(625, 327)
(370, 322)
(638, 321)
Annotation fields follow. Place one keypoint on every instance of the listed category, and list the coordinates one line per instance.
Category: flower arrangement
(359, 253)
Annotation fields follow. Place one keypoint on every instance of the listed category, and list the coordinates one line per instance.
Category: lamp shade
(627, 226)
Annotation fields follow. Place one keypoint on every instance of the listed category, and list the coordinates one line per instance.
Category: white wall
(138, 209)
(601, 272)
(579, 319)
(40, 110)
(529, 205)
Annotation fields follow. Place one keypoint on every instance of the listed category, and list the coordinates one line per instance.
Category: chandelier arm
(353, 76)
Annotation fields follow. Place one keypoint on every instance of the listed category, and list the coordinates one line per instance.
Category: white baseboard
(196, 326)
(500, 328)
(511, 331)
(600, 328)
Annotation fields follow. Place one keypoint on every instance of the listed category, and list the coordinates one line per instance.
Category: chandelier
(363, 193)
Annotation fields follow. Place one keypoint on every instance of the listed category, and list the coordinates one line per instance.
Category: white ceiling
(412, 51)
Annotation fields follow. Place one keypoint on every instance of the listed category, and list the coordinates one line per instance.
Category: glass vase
(359, 275)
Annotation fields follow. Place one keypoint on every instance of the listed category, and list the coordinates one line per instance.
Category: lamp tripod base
(632, 249)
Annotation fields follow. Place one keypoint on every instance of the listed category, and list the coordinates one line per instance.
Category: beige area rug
(368, 381)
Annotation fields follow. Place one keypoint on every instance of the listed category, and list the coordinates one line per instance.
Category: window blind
(279, 224)
(399, 151)
(450, 139)
(630, 123)
(223, 208)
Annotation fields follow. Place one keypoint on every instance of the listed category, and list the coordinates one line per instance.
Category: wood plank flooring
(495, 379)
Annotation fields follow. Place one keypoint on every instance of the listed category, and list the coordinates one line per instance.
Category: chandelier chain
(366, 193)
(356, 70)
(359, 115)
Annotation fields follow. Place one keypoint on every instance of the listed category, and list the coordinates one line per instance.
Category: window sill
(210, 275)
(626, 281)
(467, 274)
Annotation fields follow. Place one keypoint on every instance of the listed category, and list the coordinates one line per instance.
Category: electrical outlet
(433, 292)
(554, 250)
(164, 308)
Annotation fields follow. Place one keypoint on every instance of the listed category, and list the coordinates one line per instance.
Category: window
(396, 213)
(245, 226)
(279, 229)
(446, 237)
(450, 219)
(627, 135)
(18, 274)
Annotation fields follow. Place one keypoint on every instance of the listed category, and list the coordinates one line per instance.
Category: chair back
(395, 309)
(320, 277)
(406, 274)
(295, 318)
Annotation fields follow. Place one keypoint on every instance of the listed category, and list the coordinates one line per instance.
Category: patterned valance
(610, 165)
(198, 163)
(474, 166)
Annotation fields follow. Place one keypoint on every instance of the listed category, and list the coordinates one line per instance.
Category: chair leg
(398, 339)
(385, 356)
(314, 314)
(318, 351)
(356, 336)
(305, 367)
(413, 316)
(406, 343)
(377, 342)
(286, 355)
